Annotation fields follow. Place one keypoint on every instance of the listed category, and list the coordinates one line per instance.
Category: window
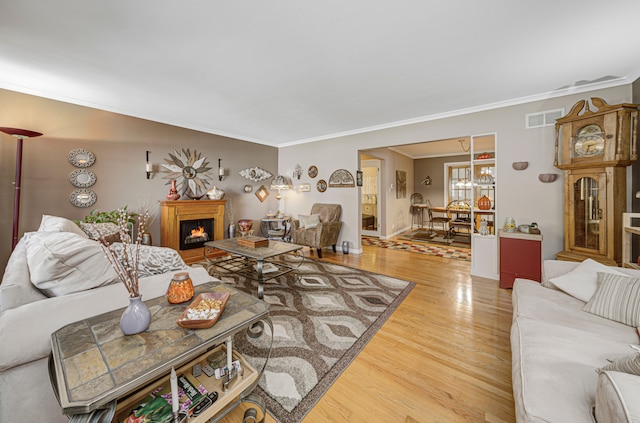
(458, 181)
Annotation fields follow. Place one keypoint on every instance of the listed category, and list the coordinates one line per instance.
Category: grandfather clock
(594, 148)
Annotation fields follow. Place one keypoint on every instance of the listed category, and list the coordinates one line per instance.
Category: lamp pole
(20, 134)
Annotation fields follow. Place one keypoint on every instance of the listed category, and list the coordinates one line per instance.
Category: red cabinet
(520, 257)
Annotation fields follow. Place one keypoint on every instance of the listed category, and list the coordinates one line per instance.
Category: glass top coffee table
(256, 263)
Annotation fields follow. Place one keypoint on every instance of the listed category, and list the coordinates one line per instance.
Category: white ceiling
(281, 72)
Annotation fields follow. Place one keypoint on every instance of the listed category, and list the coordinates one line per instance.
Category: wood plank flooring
(443, 356)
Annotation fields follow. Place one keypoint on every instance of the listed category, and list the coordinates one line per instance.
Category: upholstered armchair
(320, 229)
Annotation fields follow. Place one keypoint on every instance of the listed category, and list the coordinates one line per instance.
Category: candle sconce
(148, 167)
(220, 170)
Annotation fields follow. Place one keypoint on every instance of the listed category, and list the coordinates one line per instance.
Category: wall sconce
(220, 170)
(297, 172)
(148, 167)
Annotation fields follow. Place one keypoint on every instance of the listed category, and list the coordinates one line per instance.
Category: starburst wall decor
(190, 170)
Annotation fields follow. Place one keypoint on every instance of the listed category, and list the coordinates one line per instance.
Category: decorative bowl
(220, 297)
(244, 225)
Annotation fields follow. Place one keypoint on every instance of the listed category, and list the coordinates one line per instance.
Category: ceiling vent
(548, 118)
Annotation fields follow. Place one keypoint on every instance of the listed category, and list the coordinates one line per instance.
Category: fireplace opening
(194, 233)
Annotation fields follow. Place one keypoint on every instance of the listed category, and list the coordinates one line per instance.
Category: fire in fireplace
(194, 233)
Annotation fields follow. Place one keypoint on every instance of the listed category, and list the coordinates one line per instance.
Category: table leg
(260, 279)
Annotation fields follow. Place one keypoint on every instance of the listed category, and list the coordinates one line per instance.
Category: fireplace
(185, 225)
(194, 233)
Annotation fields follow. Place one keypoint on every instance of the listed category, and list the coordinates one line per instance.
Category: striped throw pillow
(629, 364)
(617, 298)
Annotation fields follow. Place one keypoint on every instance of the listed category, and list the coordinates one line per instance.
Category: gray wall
(119, 144)
(434, 167)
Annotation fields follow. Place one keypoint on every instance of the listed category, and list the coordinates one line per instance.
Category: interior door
(370, 198)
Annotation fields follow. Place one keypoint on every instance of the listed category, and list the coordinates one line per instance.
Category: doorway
(370, 197)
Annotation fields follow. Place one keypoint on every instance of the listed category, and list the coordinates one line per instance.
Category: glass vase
(136, 317)
(180, 288)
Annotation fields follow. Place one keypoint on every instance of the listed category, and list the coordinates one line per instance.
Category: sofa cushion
(617, 398)
(533, 301)
(110, 231)
(554, 369)
(582, 281)
(59, 224)
(154, 260)
(16, 288)
(61, 263)
(617, 298)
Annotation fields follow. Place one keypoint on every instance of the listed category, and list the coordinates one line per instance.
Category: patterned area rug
(323, 315)
(459, 239)
(451, 252)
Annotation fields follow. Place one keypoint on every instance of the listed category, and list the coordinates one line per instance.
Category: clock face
(589, 142)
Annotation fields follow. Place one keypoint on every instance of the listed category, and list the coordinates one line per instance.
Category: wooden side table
(520, 257)
(276, 228)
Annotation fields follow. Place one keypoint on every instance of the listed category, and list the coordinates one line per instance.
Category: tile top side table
(92, 363)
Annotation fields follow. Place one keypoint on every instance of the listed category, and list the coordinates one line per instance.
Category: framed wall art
(341, 178)
(359, 178)
(262, 193)
(401, 184)
(304, 187)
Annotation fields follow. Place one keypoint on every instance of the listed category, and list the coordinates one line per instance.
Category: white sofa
(28, 317)
(566, 361)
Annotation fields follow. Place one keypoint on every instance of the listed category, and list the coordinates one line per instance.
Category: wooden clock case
(595, 187)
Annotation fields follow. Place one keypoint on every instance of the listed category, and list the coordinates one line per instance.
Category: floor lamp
(21, 134)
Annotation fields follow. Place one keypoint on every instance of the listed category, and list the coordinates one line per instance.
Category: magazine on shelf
(156, 407)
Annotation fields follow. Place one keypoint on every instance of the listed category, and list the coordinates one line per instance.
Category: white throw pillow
(59, 224)
(309, 222)
(582, 282)
(61, 263)
(617, 298)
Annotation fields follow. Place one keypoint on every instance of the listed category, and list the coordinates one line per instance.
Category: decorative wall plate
(321, 185)
(341, 178)
(83, 198)
(190, 169)
(247, 188)
(255, 174)
(313, 171)
(80, 157)
(82, 178)
(262, 193)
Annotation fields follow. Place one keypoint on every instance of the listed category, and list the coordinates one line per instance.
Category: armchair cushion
(309, 222)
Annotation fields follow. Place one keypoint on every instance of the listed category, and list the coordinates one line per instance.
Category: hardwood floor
(443, 356)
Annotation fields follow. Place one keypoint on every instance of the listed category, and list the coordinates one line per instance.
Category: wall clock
(191, 171)
(588, 142)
